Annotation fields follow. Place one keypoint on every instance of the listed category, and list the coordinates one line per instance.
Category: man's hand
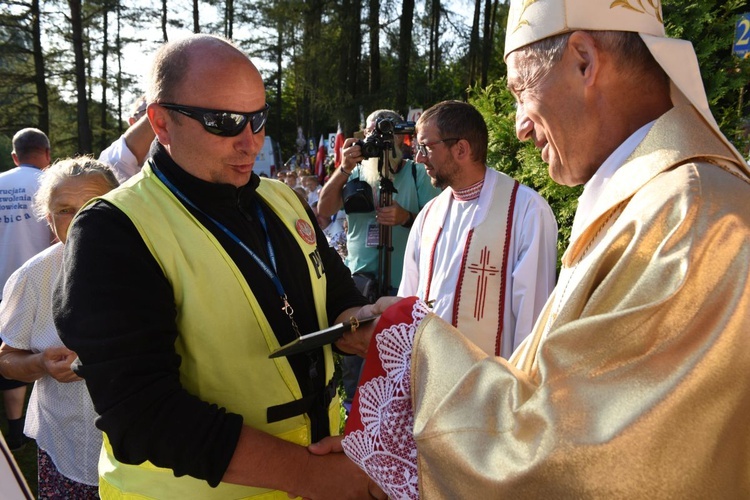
(334, 476)
(330, 199)
(351, 154)
(358, 341)
(392, 215)
(57, 361)
(332, 444)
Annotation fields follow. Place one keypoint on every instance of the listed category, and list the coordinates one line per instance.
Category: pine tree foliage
(317, 59)
(18, 94)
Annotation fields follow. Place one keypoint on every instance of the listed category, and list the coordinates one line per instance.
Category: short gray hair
(628, 48)
(28, 140)
(64, 169)
(387, 114)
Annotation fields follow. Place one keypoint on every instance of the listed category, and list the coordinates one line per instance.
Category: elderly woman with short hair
(60, 414)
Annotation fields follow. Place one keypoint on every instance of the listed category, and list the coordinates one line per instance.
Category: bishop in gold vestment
(636, 380)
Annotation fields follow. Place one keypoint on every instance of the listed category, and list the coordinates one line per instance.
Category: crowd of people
(145, 314)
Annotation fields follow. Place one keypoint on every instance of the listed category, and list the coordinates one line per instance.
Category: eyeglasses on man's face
(424, 147)
(221, 122)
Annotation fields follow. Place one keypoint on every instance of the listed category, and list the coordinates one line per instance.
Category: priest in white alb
(484, 251)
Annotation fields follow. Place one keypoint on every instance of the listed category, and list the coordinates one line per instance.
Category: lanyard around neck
(270, 272)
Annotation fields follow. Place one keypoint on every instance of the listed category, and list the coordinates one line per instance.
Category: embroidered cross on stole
(479, 303)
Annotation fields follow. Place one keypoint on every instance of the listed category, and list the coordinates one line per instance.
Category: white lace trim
(386, 449)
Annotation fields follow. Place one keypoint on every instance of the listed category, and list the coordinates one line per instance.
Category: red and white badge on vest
(306, 232)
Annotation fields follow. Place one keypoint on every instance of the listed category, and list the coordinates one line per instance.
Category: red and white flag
(337, 156)
(320, 160)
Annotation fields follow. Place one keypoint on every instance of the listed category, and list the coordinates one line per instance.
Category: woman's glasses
(223, 123)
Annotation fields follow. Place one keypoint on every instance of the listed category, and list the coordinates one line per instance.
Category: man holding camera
(365, 218)
(412, 191)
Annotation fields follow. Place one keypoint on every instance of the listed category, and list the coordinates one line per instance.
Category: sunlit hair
(62, 170)
(171, 64)
(457, 119)
(28, 140)
(633, 57)
(369, 168)
(381, 114)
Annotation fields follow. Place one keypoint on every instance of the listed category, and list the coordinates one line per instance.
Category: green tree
(330, 61)
(405, 49)
(710, 26)
(6, 147)
(23, 88)
(40, 79)
(85, 141)
(373, 25)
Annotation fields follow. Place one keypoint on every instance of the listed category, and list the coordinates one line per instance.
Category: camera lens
(371, 147)
(384, 126)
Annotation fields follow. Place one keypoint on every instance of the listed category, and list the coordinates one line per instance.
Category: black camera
(381, 138)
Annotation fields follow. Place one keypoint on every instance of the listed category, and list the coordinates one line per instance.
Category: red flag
(337, 156)
(320, 160)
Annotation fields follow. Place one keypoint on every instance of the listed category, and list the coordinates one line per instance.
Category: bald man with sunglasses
(177, 287)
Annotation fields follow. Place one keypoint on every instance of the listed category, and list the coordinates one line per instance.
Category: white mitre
(532, 20)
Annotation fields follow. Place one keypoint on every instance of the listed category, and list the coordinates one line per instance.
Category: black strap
(300, 406)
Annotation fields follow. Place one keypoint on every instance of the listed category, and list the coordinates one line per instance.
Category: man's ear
(586, 56)
(462, 150)
(160, 122)
(15, 158)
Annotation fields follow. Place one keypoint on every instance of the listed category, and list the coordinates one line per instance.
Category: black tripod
(385, 244)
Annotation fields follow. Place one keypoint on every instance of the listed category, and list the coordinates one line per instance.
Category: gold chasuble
(480, 289)
(635, 382)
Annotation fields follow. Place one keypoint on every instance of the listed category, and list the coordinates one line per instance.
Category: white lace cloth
(383, 445)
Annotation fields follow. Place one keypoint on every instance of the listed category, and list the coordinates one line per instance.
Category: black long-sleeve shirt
(115, 308)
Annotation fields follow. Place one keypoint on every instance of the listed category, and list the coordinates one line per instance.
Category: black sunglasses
(223, 123)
